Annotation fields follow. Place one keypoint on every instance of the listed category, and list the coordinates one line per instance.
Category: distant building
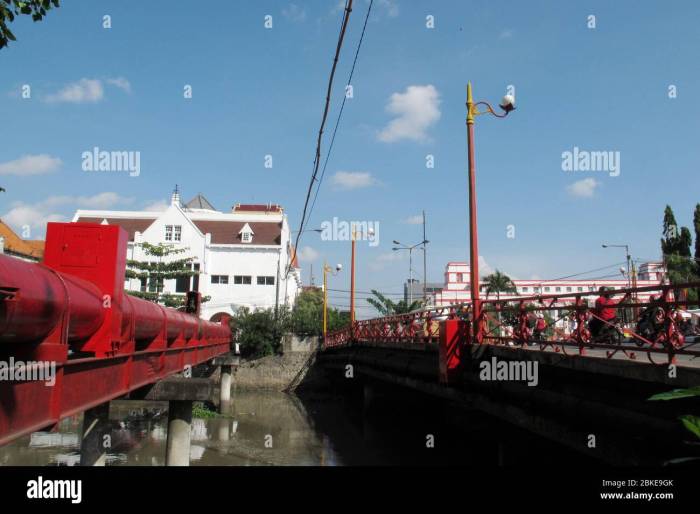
(25, 249)
(242, 256)
(457, 289)
(457, 284)
(416, 291)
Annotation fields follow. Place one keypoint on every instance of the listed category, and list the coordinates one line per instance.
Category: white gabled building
(241, 256)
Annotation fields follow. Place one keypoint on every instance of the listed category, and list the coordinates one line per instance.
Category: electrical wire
(317, 158)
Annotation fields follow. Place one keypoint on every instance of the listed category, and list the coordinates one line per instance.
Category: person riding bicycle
(604, 312)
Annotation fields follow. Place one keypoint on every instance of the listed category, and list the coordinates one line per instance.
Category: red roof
(254, 207)
(222, 231)
(130, 225)
(227, 232)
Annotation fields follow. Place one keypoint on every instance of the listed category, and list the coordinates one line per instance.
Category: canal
(266, 428)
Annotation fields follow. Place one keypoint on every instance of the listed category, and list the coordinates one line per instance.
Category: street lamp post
(326, 270)
(369, 233)
(507, 105)
(402, 246)
(627, 257)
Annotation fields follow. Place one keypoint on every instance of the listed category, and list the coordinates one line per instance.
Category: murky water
(269, 428)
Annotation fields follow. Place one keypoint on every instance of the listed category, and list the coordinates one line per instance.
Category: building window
(168, 232)
(558, 289)
(242, 279)
(580, 289)
(525, 289)
(178, 232)
(219, 279)
(546, 289)
(266, 281)
(568, 289)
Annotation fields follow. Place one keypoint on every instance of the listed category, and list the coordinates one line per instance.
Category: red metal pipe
(36, 298)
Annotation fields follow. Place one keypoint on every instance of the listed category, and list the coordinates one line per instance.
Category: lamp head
(508, 103)
(338, 267)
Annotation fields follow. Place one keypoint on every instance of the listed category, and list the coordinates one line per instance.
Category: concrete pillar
(94, 446)
(177, 451)
(226, 383)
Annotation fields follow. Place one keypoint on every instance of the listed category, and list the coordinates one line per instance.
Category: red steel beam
(70, 319)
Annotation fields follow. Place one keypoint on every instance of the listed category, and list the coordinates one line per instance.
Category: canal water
(265, 428)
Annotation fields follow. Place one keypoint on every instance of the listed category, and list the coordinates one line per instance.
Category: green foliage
(156, 272)
(387, 307)
(690, 421)
(306, 319)
(10, 8)
(498, 283)
(677, 393)
(675, 245)
(259, 332)
(199, 410)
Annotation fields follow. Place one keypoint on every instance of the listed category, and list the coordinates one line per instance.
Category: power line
(342, 107)
(317, 158)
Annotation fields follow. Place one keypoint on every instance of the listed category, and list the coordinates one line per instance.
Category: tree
(696, 223)
(498, 283)
(306, 318)
(154, 273)
(258, 332)
(387, 307)
(11, 8)
(675, 246)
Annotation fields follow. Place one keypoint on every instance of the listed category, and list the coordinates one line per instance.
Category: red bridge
(582, 386)
(71, 339)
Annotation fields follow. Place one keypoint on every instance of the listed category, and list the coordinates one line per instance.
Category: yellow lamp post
(326, 270)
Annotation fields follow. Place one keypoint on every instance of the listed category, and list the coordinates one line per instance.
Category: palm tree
(498, 282)
(387, 307)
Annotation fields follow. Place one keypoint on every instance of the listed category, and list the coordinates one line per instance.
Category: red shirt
(603, 308)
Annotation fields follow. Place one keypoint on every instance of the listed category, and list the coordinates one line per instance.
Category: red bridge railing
(653, 320)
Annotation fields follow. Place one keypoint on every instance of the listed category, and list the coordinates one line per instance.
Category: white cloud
(353, 180)
(156, 206)
(414, 220)
(584, 188)
(57, 208)
(390, 6)
(121, 83)
(385, 259)
(307, 254)
(294, 13)
(415, 111)
(484, 267)
(83, 91)
(505, 34)
(30, 165)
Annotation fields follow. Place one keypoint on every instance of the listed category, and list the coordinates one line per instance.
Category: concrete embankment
(279, 372)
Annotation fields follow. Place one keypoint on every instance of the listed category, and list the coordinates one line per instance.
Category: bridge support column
(180, 392)
(93, 444)
(177, 451)
(229, 364)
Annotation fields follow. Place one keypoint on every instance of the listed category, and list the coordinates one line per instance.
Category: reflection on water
(262, 428)
(269, 428)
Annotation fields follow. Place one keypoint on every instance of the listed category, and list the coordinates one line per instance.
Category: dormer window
(246, 234)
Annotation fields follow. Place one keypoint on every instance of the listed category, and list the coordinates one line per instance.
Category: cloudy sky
(623, 81)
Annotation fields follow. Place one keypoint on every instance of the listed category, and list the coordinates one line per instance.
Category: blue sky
(259, 91)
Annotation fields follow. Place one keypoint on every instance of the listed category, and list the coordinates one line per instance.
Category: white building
(457, 285)
(241, 256)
